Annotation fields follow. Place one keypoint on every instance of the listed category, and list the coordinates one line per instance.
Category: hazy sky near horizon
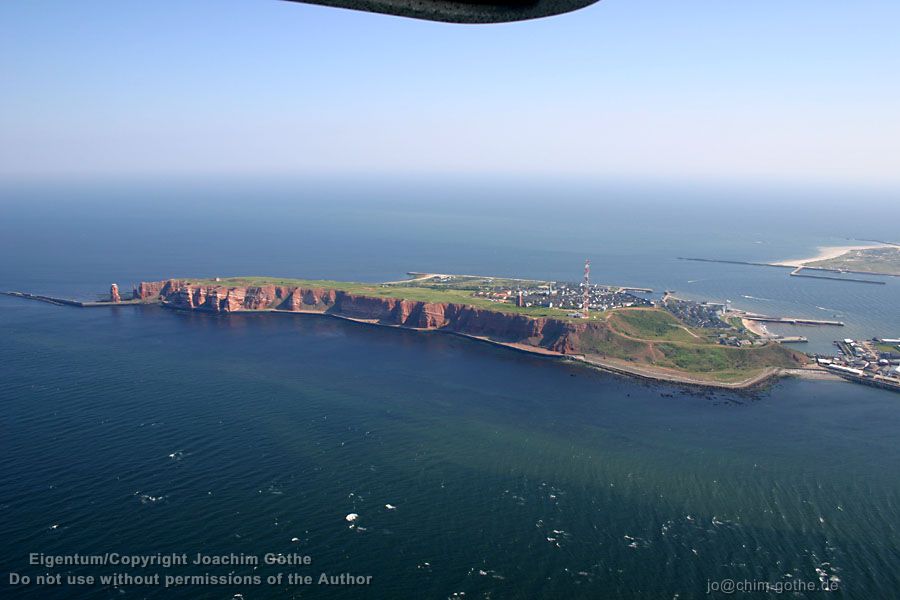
(769, 90)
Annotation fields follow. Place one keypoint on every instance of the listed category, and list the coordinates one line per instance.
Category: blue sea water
(74, 239)
(140, 431)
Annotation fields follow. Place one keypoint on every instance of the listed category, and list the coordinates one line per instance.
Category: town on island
(619, 329)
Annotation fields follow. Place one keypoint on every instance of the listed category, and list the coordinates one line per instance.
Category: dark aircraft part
(471, 11)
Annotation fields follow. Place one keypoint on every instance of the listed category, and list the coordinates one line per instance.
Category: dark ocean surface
(137, 430)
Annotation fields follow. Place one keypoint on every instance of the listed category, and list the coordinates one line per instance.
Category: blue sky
(765, 91)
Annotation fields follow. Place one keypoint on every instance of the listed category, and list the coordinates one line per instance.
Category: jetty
(879, 381)
(790, 339)
(797, 273)
(735, 262)
(69, 302)
(791, 320)
(796, 270)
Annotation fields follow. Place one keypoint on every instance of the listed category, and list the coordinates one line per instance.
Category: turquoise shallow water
(144, 431)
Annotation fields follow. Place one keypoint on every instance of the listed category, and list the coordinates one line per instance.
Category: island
(833, 263)
(609, 328)
(827, 254)
(882, 260)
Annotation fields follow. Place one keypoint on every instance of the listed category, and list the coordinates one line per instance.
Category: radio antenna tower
(586, 291)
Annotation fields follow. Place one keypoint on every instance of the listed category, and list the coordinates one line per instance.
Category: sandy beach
(825, 253)
(756, 327)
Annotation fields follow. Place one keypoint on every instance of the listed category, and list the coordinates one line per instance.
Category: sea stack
(114, 293)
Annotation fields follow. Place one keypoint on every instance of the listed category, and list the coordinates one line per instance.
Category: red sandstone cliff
(152, 289)
(551, 334)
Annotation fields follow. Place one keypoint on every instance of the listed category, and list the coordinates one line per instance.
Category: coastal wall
(551, 334)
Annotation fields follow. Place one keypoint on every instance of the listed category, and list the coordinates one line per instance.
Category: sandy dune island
(826, 253)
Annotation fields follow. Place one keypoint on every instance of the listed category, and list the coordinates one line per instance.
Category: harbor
(804, 270)
(874, 362)
(790, 320)
(798, 272)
